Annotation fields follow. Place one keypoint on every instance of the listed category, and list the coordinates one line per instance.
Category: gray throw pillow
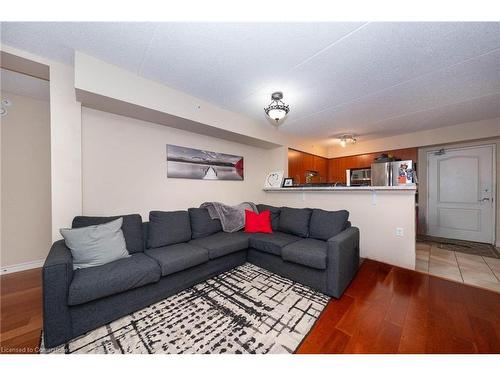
(131, 228)
(96, 245)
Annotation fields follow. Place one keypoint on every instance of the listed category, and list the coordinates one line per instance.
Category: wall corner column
(66, 148)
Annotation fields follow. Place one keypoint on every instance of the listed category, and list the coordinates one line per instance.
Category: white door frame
(494, 180)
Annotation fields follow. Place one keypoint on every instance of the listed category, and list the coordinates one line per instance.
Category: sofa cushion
(202, 225)
(271, 243)
(178, 257)
(275, 214)
(307, 252)
(168, 228)
(89, 284)
(222, 243)
(295, 221)
(326, 224)
(96, 245)
(131, 227)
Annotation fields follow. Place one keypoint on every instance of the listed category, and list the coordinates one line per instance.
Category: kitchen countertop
(343, 188)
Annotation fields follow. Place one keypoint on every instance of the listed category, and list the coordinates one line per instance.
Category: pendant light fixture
(277, 109)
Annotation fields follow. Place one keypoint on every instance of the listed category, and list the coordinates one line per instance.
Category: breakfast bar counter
(295, 189)
(385, 215)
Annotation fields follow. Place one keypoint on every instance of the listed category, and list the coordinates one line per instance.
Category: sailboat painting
(185, 162)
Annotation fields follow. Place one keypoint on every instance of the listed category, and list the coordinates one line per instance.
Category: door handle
(484, 199)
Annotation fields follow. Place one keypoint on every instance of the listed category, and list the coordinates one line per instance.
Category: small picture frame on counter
(287, 182)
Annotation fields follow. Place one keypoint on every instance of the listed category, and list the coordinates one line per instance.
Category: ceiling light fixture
(345, 139)
(277, 109)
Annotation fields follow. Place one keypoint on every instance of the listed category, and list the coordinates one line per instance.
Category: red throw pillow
(258, 223)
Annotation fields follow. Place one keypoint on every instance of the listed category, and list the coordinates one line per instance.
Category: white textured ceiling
(371, 79)
(21, 84)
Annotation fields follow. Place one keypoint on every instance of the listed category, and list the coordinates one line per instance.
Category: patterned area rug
(245, 310)
(467, 247)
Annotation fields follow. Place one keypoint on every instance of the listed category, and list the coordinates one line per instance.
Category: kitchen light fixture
(277, 109)
(346, 139)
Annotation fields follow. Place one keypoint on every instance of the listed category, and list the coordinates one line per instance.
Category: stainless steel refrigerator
(393, 173)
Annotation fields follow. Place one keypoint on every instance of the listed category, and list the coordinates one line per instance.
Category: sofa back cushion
(295, 221)
(202, 225)
(326, 224)
(168, 228)
(131, 227)
(275, 214)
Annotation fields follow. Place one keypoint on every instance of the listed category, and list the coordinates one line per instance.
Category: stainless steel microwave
(361, 176)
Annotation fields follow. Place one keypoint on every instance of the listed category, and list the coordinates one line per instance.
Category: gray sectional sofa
(176, 250)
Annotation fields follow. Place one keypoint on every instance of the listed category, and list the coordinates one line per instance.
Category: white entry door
(460, 194)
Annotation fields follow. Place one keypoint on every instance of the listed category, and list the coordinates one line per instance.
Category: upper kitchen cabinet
(321, 166)
(302, 164)
(337, 166)
(294, 164)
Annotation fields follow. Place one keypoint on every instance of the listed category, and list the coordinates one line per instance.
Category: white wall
(125, 169)
(65, 129)
(25, 193)
(65, 125)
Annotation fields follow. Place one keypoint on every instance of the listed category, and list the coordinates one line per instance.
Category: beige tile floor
(465, 268)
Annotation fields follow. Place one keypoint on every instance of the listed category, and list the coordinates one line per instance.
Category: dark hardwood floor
(385, 310)
(393, 310)
(20, 311)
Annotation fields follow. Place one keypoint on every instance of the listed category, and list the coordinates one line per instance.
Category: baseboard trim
(21, 267)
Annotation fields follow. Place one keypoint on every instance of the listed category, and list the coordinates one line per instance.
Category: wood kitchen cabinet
(338, 166)
(333, 170)
(294, 164)
(321, 166)
(301, 162)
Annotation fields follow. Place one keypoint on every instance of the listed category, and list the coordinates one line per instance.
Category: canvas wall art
(185, 162)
